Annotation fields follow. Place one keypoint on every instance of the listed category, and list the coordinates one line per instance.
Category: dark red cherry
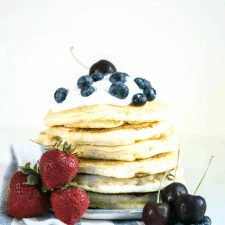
(190, 208)
(170, 193)
(102, 66)
(156, 213)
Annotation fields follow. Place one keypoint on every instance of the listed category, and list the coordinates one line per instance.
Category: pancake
(121, 169)
(140, 183)
(120, 201)
(138, 150)
(108, 116)
(123, 135)
(95, 124)
(123, 150)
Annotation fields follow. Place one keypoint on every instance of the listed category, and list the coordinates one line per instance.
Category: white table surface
(194, 157)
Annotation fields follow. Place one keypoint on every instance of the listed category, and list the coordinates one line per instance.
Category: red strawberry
(57, 168)
(69, 204)
(26, 200)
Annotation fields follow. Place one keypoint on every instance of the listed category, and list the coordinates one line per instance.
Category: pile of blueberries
(117, 89)
(178, 207)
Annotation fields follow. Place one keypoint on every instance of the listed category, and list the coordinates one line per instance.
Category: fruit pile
(35, 190)
(178, 207)
(118, 88)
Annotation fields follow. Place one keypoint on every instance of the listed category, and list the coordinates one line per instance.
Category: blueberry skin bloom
(119, 90)
(118, 77)
(139, 99)
(150, 93)
(206, 221)
(97, 76)
(87, 90)
(142, 83)
(60, 94)
(84, 81)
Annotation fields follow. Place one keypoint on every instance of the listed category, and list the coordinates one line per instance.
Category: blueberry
(119, 90)
(60, 94)
(84, 81)
(97, 76)
(142, 83)
(150, 93)
(102, 66)
(205, 221)
(87, 90)
(139, 99)
(118, 77)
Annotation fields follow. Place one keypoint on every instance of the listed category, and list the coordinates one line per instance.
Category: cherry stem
(77, 60)
(203, 175)
(178, 157)
(163, 178)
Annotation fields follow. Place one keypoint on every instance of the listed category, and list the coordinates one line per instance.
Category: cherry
(102, 66)
(190, 208)
(156, 213)
(170, 193)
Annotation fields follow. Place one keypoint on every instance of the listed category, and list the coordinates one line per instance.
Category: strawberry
(25, 200)
(58, 167)
(69, 204)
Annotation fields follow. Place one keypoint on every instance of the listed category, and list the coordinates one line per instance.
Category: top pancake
(108, 116)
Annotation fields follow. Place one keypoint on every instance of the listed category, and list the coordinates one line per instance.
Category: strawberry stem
(203, 175)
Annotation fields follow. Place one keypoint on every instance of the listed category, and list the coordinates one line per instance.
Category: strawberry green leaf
(37, 167)
(61, 146)
(32, 180)
(34, 176)
(26, 171)
(27, 165)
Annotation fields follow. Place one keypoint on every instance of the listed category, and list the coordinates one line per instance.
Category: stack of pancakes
(124, 151)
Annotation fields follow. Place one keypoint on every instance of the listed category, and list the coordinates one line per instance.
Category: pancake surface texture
(108, 116)
(122, 169)
(141, 183)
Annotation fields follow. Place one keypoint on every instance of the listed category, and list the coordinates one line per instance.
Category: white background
(179, 45)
